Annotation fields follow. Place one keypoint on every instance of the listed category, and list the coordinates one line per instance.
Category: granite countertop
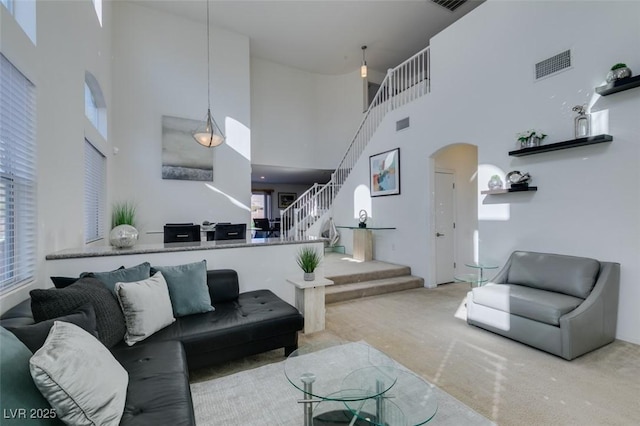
(99, 251)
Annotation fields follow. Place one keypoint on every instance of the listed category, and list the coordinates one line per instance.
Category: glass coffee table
(359, 387)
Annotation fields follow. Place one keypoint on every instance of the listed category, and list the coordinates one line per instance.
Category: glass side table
(481, 267)
(473, 279)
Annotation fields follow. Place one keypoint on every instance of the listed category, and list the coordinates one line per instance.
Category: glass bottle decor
(582, 122)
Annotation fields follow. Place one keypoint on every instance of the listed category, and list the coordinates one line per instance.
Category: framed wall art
(286, 198)
(384, 173)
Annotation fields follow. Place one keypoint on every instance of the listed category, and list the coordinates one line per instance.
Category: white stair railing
(403, 84)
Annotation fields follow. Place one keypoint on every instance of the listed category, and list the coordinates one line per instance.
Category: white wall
(302, 119)
(483, 93)
(160, 68)
(70, 41)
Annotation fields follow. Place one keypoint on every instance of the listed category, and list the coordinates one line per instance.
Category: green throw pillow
(187, 288)
(22, 402)
(127, 275)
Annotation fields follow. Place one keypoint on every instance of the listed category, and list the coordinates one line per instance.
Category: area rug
(264, 396)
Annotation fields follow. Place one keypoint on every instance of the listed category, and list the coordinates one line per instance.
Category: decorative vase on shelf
(123, 236)
(582, 125)
(495, 182)
(309, 276)
(533, 141)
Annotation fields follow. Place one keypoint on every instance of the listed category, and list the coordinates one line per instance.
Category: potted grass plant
(123, 219)
(308, 259)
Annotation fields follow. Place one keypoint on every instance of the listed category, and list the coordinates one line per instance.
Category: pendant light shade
(211, 135)
(363, 67)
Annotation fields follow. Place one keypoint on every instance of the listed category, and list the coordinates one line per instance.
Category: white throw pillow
(79, 377)
(146, 306)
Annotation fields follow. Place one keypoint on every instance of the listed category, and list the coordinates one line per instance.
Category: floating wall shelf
(573, 143)
(619, 86)
(508, 190)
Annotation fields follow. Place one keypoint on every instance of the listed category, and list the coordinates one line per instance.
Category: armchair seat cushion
(532, 303)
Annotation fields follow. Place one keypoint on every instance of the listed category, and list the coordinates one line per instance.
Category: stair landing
(354, 279)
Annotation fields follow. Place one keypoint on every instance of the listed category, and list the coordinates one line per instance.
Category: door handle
(439, 234)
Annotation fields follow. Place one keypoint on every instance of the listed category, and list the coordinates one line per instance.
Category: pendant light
(363, 67)
(211, 136)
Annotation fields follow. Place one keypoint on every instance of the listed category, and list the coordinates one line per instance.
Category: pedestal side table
(310, 301)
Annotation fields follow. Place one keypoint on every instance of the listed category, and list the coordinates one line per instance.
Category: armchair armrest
(593, 323)
(501, 276)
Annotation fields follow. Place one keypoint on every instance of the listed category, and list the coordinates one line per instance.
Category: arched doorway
(454, 215)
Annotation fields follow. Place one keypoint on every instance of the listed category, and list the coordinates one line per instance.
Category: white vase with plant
(308, 259)
(123, 218)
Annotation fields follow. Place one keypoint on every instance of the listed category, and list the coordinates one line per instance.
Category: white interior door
(444, 221)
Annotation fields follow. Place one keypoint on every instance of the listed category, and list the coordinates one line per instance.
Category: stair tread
(363, 276)
(337, 288)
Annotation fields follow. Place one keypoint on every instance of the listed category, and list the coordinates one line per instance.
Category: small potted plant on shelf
(530, 138)
(618, 72)
(123, 218)
(308, 259)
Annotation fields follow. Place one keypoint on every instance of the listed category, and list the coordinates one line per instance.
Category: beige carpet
(263, 396)
(508, 382)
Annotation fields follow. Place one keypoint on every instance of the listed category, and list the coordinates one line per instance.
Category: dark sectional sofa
(242, 324)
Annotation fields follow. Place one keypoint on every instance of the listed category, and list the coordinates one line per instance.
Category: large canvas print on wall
(182, 157)
(384, 172)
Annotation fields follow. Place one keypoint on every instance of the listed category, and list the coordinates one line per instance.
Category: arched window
(95, 107)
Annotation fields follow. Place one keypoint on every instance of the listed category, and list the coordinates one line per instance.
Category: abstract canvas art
(384, 172)
(182, 157)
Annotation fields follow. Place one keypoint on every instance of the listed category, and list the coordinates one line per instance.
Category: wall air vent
(402, 124)
(450, 4)
(553, 65)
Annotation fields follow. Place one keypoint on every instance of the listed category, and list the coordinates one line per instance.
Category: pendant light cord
(208, 62)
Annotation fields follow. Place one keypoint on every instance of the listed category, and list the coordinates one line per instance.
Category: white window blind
(95, 176)
(17, 178)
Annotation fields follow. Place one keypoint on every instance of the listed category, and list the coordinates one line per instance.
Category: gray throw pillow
(34, 335)
(122, 275)
(146, 306)
(53, 303)
(79, 377)
(187, 288)
(17, 389)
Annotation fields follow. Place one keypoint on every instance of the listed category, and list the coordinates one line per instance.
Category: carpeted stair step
(389, 271)
(341, 292)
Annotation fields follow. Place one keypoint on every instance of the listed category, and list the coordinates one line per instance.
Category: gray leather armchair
(564, 305)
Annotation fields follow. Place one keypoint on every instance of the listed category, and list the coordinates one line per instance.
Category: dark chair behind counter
(263, 228)
(230, 231)
(181, 232)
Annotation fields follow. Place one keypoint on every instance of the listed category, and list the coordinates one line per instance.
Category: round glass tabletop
(474, 279)
(364, 367)
(481, 265)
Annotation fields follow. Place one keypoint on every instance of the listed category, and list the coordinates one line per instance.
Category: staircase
(377, 278)
(403, 84)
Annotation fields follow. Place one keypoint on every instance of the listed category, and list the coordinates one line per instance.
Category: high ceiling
(323, 37)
